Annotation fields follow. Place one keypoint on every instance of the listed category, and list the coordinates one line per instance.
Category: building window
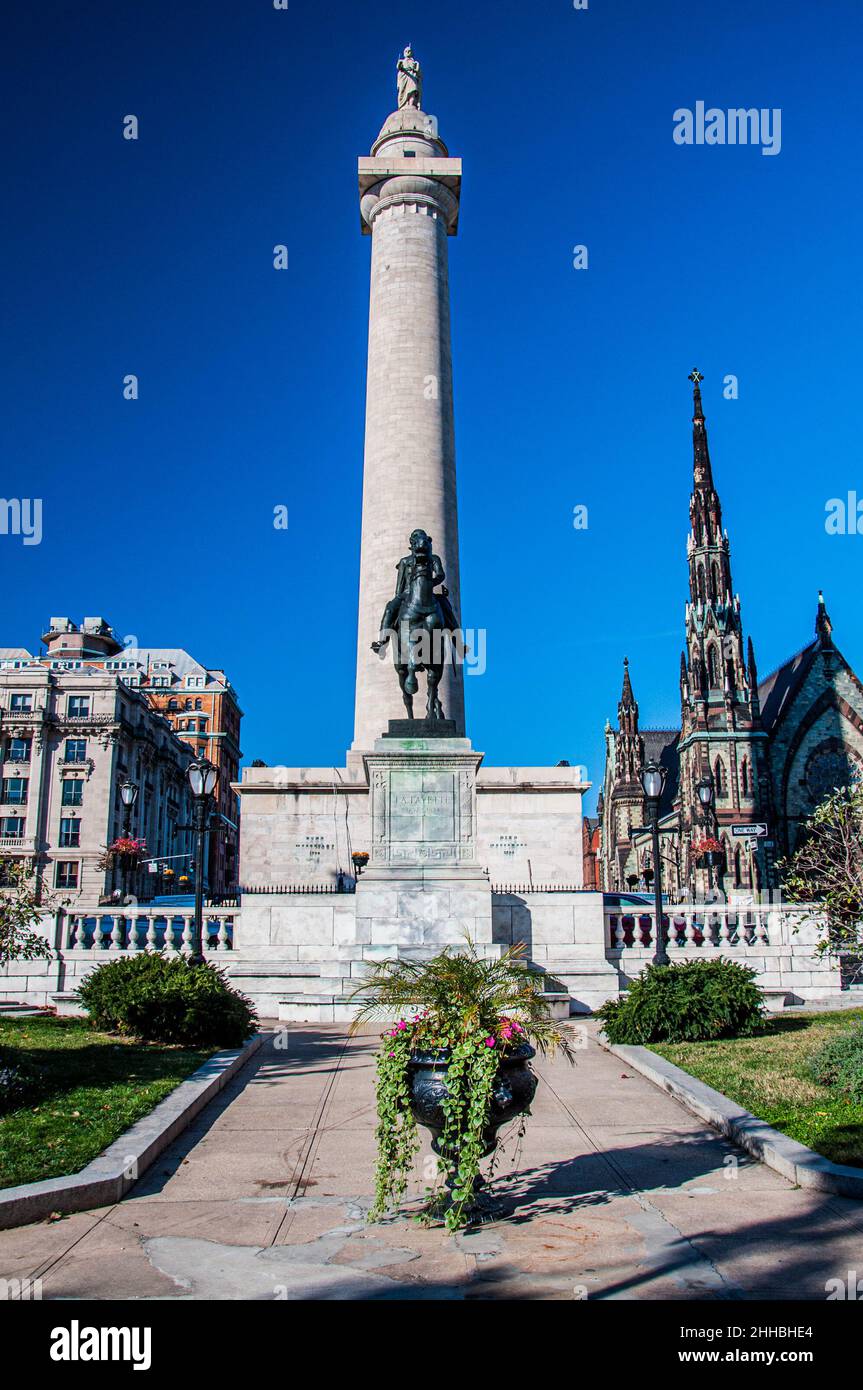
(15, 790)
(78, 707)
(11, 827)
(73, 792)
(67, 873)
(744, 777)
(18, 750)
(21, 704)
(76, 750)
(172, 703)
(718, 783)
(199, 704)
(738, 881)
(70, 833)
(161, 680)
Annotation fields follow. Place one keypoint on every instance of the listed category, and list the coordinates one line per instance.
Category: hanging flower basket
(359, 859)
(126, 850)
(708, 852)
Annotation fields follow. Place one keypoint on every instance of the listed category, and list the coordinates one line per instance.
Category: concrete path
(618, 1193)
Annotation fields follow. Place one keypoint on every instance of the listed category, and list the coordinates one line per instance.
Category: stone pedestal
(423, 888)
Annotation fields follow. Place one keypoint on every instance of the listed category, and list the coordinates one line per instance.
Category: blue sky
(154, 257)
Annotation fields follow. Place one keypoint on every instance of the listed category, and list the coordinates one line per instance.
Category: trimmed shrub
(694, 1001)
(839, 1063)
(164, 999)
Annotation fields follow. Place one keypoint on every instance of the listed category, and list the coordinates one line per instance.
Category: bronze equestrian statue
(418, 618)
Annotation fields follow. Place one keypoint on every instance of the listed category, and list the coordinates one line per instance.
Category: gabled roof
(662, 745)
(778, 689)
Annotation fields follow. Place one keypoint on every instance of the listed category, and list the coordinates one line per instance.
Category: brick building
(774, 748)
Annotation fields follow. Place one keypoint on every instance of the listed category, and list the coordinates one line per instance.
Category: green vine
(396, 1135)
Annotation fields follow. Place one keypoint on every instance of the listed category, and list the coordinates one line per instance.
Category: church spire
(823, 625)
(627, 699)
(702, 472)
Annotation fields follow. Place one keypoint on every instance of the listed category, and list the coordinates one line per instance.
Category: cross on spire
(695, 376)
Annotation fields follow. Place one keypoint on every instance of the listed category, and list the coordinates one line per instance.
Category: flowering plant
(471, 1011)
(124, 844)
(707, 845)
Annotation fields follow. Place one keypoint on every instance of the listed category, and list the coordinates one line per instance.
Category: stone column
(409, 198)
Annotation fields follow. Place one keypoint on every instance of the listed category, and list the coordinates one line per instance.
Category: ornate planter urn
(514, 1089)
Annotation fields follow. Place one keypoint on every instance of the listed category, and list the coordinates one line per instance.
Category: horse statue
(418, 618)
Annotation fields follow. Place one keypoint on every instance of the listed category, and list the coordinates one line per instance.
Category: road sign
(757, 831)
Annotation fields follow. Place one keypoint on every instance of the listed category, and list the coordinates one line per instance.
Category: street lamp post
(128, 796)
(706, 795)
(202, 777)
(653, 777)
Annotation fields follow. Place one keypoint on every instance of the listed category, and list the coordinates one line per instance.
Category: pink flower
(402, 1025)
(489, 1041)
(392, 1054)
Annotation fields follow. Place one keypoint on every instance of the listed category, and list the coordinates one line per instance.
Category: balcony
(17, 844)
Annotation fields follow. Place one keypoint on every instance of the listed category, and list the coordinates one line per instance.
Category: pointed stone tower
(409, 203)
(721, 730)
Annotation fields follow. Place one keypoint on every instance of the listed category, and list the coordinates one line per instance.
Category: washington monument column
(409, 200)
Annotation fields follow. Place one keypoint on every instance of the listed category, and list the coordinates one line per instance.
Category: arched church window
(714, 579)
(718, 780)
(738, 881)
(830, 766)
(744, 777)
(700, 583)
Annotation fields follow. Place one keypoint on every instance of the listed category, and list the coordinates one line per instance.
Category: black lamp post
(128, 796)
(653, 777)
(202, 777)
(706, 795)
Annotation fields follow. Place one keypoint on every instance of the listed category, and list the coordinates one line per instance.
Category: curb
(108, 1178)
(792, 1160)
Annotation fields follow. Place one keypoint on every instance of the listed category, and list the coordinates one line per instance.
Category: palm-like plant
(456, 995)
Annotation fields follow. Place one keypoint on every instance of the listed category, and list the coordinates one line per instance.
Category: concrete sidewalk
(618, 1193)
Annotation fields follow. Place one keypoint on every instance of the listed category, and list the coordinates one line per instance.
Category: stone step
(11, 1009)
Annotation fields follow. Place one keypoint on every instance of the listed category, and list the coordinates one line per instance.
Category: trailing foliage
(472, 1011)
(22, 907)
(826, 869)
(839, 1063)
(694, 1001)
(165, 999)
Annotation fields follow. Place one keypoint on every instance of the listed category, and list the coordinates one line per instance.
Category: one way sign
(758, 831)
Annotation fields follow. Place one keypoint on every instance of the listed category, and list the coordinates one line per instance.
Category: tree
(21, 910)
(826, 869)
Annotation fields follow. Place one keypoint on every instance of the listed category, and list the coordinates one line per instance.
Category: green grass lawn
(767, 1076)
(91, 1087)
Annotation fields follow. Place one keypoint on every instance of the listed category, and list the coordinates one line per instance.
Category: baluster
(71, 933)
(170, 935)
(689, 931)
(223, 934)
(152, 933)
(132, 931)
(186, 935)
(118, 932)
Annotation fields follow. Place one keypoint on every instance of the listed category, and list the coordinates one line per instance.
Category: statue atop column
(410, 80)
